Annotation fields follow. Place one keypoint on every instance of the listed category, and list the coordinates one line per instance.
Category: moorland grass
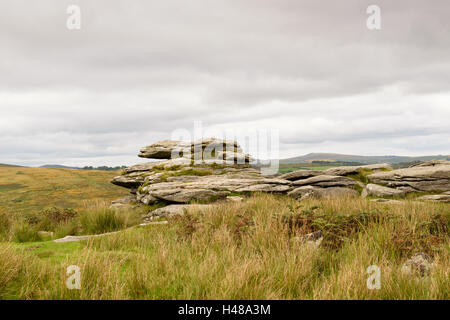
(246, 250)
(29, 190)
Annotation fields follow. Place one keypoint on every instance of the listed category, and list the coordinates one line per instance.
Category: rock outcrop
(428, 176)
(337, 171)
(210, 169)
(203, 171)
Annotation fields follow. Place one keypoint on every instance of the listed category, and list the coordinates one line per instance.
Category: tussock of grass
(102, 220)
(22, 231)
(248, 250)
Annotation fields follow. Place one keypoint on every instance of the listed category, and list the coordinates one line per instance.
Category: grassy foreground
(245, 250)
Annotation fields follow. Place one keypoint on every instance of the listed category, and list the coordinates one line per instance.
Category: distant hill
(103, 168)
(58, 166)
(333, 157)
(8, 165)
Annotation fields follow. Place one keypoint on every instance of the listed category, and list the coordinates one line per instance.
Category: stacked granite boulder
(204, 170)
(329, 183)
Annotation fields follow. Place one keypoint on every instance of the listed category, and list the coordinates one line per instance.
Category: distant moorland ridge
(361, 159)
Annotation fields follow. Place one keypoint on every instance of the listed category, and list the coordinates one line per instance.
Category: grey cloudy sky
(138, 70)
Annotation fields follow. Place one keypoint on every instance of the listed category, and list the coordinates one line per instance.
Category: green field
(28, 190)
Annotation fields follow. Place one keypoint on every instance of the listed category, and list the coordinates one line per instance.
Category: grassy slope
(245, 251)
(25, 190)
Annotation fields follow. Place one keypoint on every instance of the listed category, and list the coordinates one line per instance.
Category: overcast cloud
(138, 70)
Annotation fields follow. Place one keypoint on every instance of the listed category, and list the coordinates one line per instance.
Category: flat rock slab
(388, 201)
(432, 177)
(184, 189)
(79, 238)
(305, 192)
(436, 198)
(380, 191)
(235, 199)
(347, 170)
(326, 181)
(300, 174)
(199, 149)
(337, 171)
(392, 201)
(150, 223)
(174, 210)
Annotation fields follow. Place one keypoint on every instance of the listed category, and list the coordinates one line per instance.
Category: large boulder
(199, 150)
(348, 170)
(163, 149)
(174, 210)
(318, 192)
(300, 174)
(430, 176)
(131, 181)
(420, 264)
(380, 191)
(326, 181)
(185, 195)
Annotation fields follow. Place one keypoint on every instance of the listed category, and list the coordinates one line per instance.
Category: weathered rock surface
(436, 198)
(131, 180)
(300, 174)
(163, 149)
(234, 199)
(174, 210)
(305, 192)
(183, 189)
(202, 149)
(347, 170)
(431, 163)
(326, 181)
(380, 191)
(420, 263)
(338, 171)
(185, 195)
(313, 239)
(388, 201)
(429, 176)
(79, 238)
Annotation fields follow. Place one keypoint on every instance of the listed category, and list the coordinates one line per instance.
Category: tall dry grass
(249, 250)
